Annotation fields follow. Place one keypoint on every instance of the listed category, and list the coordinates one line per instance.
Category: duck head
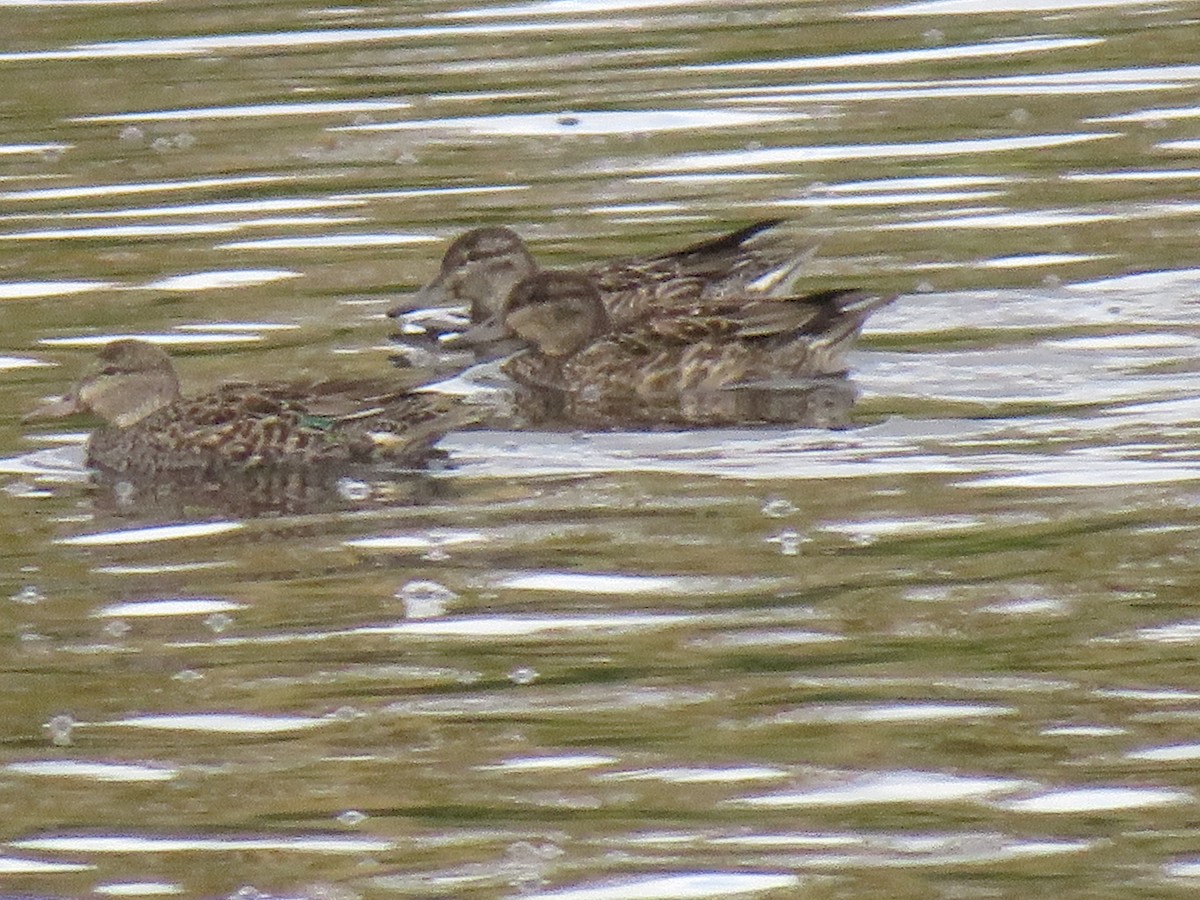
(478, 271)
(128, 380)
(557, 312)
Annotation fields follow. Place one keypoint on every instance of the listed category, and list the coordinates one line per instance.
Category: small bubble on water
(33, 641)
(187, 675)
(218, 622)
(1020, 116)
(526, 862)
(247, 892)
(523, 675)
(924, 287)
(934, 36)
(353, 489)
(131, 134)
(752, 146)
(778, 508)
(117, 628)
(185, 140)
(1052, 281)
(59, 729)
(789, 541)
(352, 817)
(347, 713)
(436, 554)
(161, 144)
(28, 595)
(425, 599)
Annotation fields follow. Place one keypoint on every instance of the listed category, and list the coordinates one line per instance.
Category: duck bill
(481, 335)
(433, 294)
(488, 340)
(54, 408)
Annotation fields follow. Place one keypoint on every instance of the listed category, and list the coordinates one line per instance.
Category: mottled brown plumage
(152, 431)
(482, 266)
(673, 363)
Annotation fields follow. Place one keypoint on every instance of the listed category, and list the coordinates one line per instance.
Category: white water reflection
(903, 57)
(217, 723)
(252, 111)
(1086, 82)
(19, 362)
(888, 787)
(563, 8)
(92, 771)
(229, 278)
(1097, 800)
(890, 713)
(918, 149)
(328, 241)
(493, 627)
(567, 763)
(138, 889)
(167, 340)
(197, 606)
(135, 843)
(437, 538)
(80, 192)
(202, 45)
(984, 7)
(698, 775)
(28, 290)
(585, 123)
(838, 852)
(10, 865)
(593, 583)
(17, 149)
(1172, 753)
(689, 886)
(135, 536)
(1133, 175)
(191, 229)
(262, 205)
(1036, 218)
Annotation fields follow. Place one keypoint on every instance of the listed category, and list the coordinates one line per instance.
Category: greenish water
(948, 652)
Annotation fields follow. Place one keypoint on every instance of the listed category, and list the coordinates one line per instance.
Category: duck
(150, 430)
(481, 267)
(681, 363)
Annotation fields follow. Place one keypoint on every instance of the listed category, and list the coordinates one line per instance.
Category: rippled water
(947, 652)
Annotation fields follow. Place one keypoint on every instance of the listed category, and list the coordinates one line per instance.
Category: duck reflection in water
(284, 445)
(718, 361)
(481, 267)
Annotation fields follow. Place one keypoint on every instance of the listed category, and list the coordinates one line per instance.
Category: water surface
(947, 651)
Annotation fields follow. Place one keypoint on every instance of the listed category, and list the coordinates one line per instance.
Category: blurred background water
(947, 652)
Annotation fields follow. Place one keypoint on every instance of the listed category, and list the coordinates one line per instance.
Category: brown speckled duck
(674, 362)
(482, 266)
(151, 431)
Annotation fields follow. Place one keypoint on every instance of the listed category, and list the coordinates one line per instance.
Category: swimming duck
(673, 363)
(481, 267)
(151, 431)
